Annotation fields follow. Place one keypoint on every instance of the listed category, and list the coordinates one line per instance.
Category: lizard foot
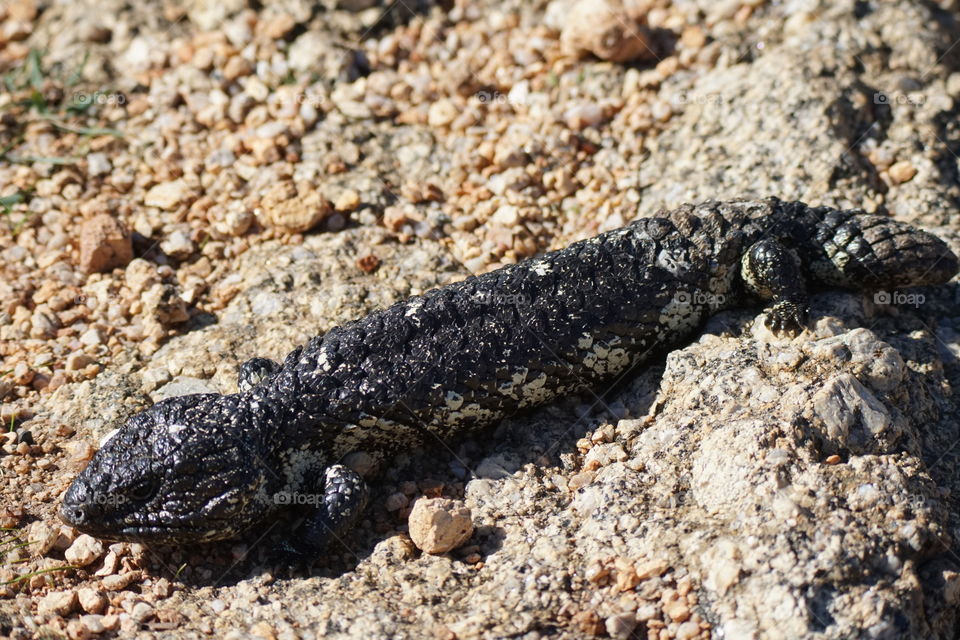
(343, 500)
(786, 317)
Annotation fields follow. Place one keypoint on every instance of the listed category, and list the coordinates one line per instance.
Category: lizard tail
(863, 251)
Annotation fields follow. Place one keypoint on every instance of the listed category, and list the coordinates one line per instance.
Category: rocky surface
(283, 170)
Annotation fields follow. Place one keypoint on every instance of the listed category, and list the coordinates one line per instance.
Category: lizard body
(462, 357)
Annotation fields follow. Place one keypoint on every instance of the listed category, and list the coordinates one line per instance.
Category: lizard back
(465, 355)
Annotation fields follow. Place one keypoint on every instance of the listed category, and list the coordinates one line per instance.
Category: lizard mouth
(151, 533)
(159, 534)
(123, 532)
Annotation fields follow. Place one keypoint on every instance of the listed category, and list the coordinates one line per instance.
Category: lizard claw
(786, 317)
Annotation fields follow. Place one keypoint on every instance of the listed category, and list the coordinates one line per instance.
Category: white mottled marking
(322, 361)
(175, 429)
(454, 400)
(107, 436)
(299, 464)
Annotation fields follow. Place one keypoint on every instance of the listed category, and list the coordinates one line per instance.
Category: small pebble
(119, 582)
(394, 218)
(368, 263)
(675, 606)
(901, 172)
(651, 569)
(237, 67)
(442, 113)
(396, 501)
(263, 630)
(292, 212)
(605, 29)
(93, 623)
(166, 195)
(395, 549)
(626, 576)
(580, 480)
(583, 114)
(178, 245)
(438, 525)
(42, 537)
(279, 26)
(621, 625)
(104, 244)
(589, 623)
(687, 631)
(58, 603)
(92, 600)
(84, 550)
(110, 563)
(78, 360)
(141, 612)
(98, 164)
(507, 216)
(91, 337)
(347, 201)
(23, 374)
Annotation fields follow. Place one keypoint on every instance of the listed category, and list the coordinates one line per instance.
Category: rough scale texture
(462, 357)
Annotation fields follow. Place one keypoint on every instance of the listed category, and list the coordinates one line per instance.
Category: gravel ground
(186, 185)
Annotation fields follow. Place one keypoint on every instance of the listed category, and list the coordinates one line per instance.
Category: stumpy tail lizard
(461, 357)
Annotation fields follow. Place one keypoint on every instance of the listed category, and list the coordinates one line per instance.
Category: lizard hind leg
(254, 371)
(774, 273)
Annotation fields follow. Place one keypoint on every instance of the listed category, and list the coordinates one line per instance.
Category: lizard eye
(143, 490)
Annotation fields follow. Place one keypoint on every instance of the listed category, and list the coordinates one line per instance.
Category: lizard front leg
(342, 499)
(773, 272)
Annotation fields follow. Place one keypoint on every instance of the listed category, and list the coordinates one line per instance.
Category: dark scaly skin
(461, 357)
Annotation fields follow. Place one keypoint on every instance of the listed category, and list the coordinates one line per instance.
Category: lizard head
(179, 471)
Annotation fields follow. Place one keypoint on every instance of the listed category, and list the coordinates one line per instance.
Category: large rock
(788, 112)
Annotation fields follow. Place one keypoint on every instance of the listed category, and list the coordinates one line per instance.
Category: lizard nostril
(78, 515)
